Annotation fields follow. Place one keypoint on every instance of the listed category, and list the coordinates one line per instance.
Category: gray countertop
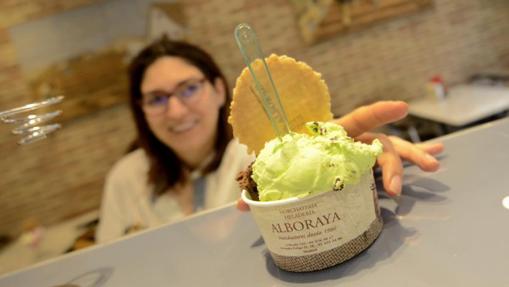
(451, 229)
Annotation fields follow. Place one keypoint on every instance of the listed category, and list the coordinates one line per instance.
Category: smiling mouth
(183, 127)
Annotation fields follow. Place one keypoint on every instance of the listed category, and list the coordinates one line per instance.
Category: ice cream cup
(322, 230)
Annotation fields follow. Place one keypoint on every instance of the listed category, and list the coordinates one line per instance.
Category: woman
(185, 158)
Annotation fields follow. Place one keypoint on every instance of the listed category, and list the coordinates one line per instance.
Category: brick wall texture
(63, 176)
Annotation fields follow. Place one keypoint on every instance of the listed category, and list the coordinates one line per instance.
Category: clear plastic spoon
(267, 94)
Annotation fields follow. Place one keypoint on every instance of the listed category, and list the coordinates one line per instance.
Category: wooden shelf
(319, 20)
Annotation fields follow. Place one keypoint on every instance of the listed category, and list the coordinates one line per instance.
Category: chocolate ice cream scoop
(247, 183)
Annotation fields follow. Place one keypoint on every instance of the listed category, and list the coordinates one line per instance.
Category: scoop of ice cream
(298, 165)
(246, 182)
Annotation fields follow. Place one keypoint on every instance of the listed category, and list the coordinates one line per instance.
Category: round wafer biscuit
(304, 96)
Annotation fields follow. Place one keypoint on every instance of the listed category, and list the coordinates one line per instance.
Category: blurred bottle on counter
(33, 233)
(436, 87)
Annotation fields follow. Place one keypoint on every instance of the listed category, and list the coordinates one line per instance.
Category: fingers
(390, 163)
(392, 167)
(420, 154)
(394, 150)
(366, 118)
(432, 148)
(241, 205)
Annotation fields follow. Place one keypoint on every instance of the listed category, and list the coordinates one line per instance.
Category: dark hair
(166, 169)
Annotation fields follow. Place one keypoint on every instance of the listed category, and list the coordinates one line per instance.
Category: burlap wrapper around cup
(322, 230)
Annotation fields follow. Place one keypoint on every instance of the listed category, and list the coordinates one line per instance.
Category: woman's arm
(111, 221)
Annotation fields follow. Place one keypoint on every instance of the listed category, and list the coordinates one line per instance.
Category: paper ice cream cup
(322, 230)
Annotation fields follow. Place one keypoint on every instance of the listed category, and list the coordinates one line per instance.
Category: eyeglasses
(188, 92)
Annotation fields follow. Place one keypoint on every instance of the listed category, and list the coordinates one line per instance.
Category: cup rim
(247, 199)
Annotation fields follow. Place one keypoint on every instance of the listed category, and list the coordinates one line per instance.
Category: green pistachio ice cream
(298, 165)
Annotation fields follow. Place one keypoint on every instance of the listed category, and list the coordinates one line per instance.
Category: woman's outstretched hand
(363, 120)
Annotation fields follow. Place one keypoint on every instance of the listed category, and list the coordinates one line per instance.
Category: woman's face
(182, 107)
